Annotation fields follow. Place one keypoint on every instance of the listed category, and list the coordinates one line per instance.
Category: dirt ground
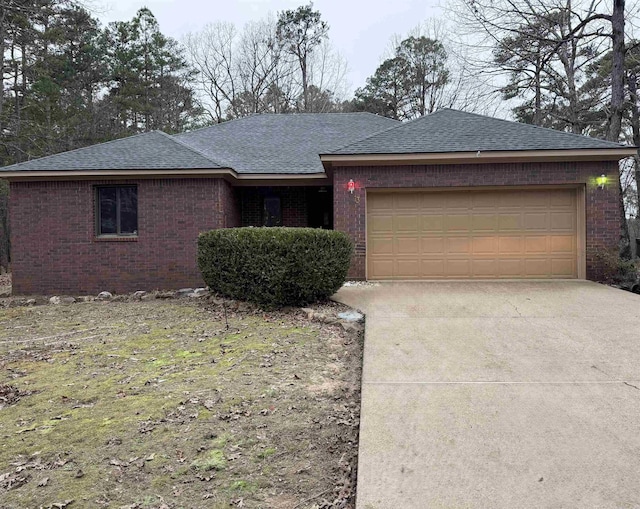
(156, 404)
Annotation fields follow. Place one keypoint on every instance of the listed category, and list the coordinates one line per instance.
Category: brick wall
(55, 251)
(293, 201)
(602, 216)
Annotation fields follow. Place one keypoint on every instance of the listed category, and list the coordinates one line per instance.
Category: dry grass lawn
(157, 404)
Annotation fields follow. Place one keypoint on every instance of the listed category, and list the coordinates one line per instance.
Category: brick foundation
(602, 216)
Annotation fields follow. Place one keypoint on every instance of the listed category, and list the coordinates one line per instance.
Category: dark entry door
(320, 207)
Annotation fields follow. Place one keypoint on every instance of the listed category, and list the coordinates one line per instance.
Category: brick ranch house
(449, 195)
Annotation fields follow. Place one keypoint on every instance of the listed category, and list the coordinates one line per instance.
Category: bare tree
(211, 52)
(259, 57)
(543, 49)
(252, 71)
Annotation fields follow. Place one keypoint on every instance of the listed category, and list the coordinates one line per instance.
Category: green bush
(274, 267)
(610, 268)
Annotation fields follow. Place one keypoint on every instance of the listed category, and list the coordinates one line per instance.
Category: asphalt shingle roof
(282, 143)
(148, 151)
(292, 143)
(456, 131)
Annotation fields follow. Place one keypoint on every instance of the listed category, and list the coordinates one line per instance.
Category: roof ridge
(272, 114)
(217, 124)
(400, 124)
(193, 149)
(41, 158)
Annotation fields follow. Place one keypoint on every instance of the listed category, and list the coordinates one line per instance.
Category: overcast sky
(359, 29)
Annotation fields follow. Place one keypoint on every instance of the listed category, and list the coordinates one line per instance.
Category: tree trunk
(617, 71)
(632, 84)
(3, 14)
(537, 112)
(617, 104)
(305, 86)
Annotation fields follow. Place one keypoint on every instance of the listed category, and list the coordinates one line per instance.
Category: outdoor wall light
(601, 181)
(351, 186)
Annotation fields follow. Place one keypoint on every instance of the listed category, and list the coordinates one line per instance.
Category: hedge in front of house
(274, 267)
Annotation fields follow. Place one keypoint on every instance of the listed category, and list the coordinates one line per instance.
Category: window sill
(116, 238)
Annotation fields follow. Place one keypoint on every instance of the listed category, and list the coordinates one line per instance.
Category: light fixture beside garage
(601, 181)
(351, 186)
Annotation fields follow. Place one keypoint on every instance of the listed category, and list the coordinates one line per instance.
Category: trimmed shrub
(274, 267)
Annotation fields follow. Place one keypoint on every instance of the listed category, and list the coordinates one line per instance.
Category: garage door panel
(510, 200)
(562, 221)
(510, 222)
(537, 267)
(457, 223)
(562, 244)
(406, 223)
(432, 223)
(485, 268)
(381, 202)
(486, 200)
(565, 198)
(460, 201)
(458, 268)
(513, 245)
(484, 245)
(536, 221)
(433, 245)
(407, 201)
(382, 268)
(484, 222)
(456, 246)
(433, 201)
(407, 245)
(511, 267)
(563, 267)
(533, 200)
(536, 244)
(381, 246)
(380, 224)
(408, 268)
(479, 234)
(432, 269)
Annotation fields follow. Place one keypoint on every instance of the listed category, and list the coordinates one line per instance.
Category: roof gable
(147, 151)
(447, 131)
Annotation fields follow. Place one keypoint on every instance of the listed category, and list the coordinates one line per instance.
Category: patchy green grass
(212, 460)
(158, 404)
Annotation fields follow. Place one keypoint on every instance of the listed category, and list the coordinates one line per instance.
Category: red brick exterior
(602, 213)
(54, 248)
(293, 201)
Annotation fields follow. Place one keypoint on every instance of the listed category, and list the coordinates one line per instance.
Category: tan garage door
(472, 234)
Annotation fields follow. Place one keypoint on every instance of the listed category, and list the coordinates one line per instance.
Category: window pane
(272, 211)
(108, 214)
(128, 210)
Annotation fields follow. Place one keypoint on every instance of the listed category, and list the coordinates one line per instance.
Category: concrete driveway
(499, 395)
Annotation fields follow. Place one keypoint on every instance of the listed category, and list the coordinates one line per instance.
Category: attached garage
(455, 195)
(506, 233)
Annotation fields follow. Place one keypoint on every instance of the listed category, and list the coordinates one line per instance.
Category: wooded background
(69, 82)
